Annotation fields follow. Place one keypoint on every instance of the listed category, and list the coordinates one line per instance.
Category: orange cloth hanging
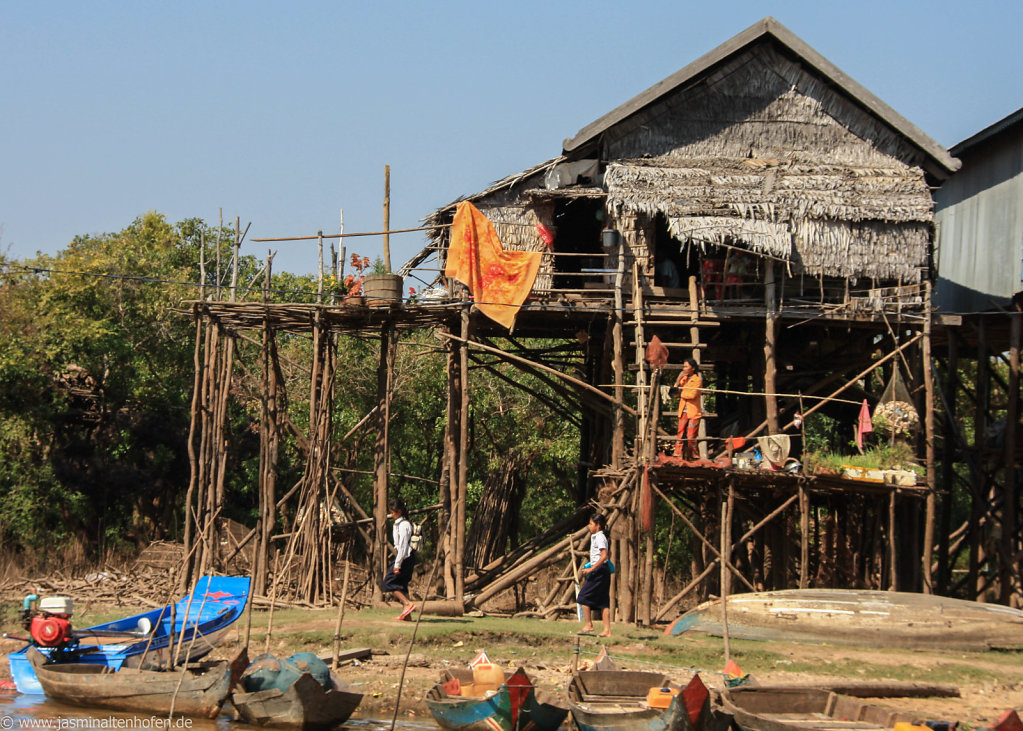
(499, 280)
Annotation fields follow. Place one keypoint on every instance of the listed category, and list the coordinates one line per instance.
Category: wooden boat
(628, 700)
(196, 690)
(204, 615)
(852, 616)
(806, 709)
(511, 707)
(306, 704)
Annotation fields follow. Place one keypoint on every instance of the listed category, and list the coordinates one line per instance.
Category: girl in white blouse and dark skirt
(596, 590)
(398, 575)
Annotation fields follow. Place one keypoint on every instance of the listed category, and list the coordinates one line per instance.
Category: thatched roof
(761, 144)
(937, 161)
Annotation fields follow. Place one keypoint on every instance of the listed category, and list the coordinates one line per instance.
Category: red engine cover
(50, 631)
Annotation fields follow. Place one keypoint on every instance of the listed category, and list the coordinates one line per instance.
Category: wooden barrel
(382, 290)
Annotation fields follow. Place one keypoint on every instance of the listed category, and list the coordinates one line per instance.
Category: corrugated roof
(941, 163)
(988, 132)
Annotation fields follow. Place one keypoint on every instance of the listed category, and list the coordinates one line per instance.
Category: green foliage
(884, 456)
(822, 433)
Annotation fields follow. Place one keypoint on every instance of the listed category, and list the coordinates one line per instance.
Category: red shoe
(406, 614)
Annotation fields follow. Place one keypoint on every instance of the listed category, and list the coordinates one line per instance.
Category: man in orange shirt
(688, 385)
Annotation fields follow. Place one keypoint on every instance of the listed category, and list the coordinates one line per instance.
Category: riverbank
(989, 682)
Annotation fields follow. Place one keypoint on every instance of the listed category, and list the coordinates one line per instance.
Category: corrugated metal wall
(980, 226)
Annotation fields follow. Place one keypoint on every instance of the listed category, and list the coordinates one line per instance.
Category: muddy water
(20, 712)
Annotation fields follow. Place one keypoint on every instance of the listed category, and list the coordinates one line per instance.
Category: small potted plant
(380, 287)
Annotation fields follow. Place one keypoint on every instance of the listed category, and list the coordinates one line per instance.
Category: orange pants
(685, 446)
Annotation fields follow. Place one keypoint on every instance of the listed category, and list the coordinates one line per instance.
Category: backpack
(417, 536)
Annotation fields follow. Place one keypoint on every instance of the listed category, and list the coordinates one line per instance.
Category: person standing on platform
(689, 385)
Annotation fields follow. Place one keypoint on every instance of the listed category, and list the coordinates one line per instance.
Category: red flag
(863, 425)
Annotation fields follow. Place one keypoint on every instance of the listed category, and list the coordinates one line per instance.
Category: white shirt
(598, 541)
(401, 533)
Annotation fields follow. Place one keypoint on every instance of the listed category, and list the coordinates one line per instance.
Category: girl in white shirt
(596, 590)
(398, 575)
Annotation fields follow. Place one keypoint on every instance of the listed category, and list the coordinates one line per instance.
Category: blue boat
(204, 615)
(511, 707)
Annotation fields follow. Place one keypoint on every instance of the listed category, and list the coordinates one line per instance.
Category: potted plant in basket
(380, 287)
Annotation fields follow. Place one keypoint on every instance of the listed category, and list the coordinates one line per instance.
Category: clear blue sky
(284, 113)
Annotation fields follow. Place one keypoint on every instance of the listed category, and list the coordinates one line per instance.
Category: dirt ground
(989, 683)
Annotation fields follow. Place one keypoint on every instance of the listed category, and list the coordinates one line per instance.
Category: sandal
(405, 615)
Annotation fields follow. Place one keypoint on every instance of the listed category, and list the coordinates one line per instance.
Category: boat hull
(787, 709)
(616, 700)
(306, 704)
(194, 691)
(513, 707)
(216, 603)
(851, 616)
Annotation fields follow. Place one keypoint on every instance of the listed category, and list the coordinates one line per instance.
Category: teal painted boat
(511, 707)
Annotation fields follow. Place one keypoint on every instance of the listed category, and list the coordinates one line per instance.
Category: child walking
(397, 576)
(596, 590)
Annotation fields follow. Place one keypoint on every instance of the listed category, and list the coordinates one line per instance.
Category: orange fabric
(499, 280)
(689, 396)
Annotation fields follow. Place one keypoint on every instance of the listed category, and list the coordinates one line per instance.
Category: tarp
(498, 280)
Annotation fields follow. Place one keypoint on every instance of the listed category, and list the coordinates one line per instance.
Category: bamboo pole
(618, 364)
(463, 456)
(381, 478)
(727, 506)
(1009, 570)
(771, 352)
(387, 217)
(929, 451)
(804, 536)
(341, 609)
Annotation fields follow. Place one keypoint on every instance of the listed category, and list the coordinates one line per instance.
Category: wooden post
(932, 477)
(463, 451)
(977, 556)
(387, 217)
(449, 488)
(342, 249)
(950, 433)
(804, 537)
(319, 271)
(1009, 571)
(770, 351)
(893, 539)
(727, 506)
(618, 418)
(381, 456)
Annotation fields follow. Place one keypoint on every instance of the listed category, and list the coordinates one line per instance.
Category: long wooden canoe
(619, 700)
(859, 617)
(773, 709)
(512, 707)
(199, 689)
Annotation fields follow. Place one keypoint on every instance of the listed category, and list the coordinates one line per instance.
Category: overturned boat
(859, 617)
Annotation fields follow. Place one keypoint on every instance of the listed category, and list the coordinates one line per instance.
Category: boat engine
(48, 620)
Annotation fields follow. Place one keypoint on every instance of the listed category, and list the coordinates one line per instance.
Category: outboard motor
(48, 620)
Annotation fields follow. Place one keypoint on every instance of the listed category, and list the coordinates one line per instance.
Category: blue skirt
(399, 581)
(596, 590)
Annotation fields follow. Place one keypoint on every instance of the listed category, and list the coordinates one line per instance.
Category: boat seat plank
(818, 721)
